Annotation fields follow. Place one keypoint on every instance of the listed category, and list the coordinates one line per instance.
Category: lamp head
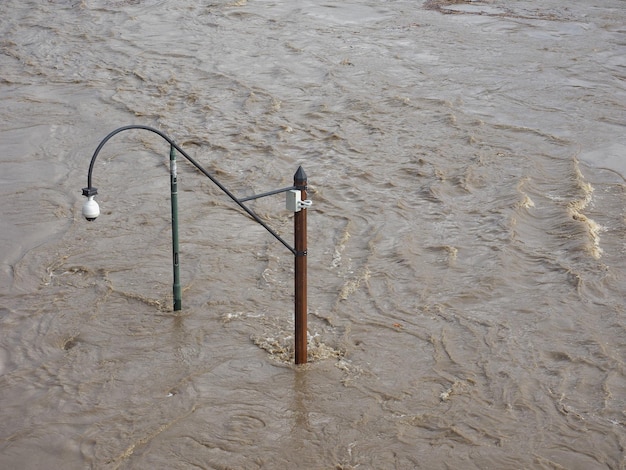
(91, 209)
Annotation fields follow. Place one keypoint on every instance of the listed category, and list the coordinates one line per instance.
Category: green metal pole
(174, 186)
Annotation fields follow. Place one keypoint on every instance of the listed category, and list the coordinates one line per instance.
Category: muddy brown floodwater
(467, 250)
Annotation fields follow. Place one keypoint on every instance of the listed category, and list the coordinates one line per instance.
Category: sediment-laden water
(466, 258)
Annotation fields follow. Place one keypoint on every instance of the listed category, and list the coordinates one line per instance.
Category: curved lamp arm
(91, 191)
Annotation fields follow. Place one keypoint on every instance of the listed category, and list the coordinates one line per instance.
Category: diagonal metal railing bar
(238, 201)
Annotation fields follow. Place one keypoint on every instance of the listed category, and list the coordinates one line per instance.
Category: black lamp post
(296, 201)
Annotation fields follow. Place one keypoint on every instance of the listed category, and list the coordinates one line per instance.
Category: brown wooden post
(300, 235)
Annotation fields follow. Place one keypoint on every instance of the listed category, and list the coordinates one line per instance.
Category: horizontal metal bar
(269, 193)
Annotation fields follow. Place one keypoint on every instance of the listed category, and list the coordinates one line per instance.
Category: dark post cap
(90, 191)
(300, 175)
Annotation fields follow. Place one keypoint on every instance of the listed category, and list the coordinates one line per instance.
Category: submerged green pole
(174, 186)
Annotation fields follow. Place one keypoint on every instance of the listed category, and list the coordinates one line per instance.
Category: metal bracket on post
(294, 201)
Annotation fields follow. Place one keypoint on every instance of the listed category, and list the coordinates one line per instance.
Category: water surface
(467, 262)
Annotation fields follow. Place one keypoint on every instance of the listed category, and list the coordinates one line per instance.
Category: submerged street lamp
(295, 199)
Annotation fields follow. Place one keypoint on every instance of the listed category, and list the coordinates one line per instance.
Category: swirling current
(466, 241)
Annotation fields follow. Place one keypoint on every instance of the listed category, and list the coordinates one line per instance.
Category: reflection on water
(466, 243)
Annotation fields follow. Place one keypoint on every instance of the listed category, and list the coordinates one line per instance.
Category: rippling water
(467, 253)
